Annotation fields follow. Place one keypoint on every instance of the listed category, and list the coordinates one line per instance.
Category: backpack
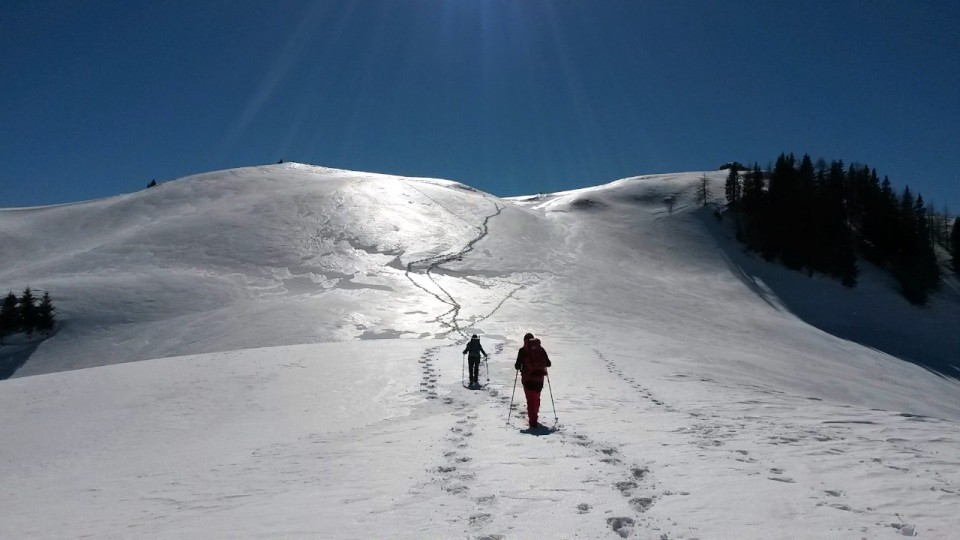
(536, 360)
(473, 348)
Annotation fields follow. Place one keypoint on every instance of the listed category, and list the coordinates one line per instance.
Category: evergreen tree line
(24, 314)
(955, 244)
(819, 217)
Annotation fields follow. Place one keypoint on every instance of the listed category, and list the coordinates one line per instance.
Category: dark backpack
(536, 360)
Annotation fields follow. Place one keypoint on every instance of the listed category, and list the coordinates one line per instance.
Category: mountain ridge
(190, 265)
(277, 356)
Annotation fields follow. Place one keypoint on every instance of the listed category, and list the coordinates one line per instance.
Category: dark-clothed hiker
(532, 363)
(473, 352)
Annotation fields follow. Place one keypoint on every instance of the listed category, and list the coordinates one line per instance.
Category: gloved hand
(518, 366)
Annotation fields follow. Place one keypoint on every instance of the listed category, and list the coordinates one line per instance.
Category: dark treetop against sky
(98, 97)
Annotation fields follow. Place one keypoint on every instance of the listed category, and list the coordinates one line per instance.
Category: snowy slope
(252, 257)
(288, 338)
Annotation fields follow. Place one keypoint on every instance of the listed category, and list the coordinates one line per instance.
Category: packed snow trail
(280, 446)
(645, 464)
(538, 469)
(436, 261)
(646, 494)
(492, 467)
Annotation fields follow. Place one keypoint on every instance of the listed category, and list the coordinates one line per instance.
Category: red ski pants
(532, 390)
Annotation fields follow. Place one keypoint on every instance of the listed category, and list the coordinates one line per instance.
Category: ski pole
(462, 367)
(486, 362)
(512, 394)
(555, 419)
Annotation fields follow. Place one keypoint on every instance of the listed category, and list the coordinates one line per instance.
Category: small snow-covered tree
(703, 191)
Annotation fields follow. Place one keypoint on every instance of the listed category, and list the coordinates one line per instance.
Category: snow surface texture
(286, 347)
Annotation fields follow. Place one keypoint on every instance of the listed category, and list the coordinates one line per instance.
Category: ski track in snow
(431, 263)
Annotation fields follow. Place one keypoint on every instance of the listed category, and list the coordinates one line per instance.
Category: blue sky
(513, 97)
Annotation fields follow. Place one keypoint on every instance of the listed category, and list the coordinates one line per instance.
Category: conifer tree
(929, 268)
(862, 190)
(871, 211)
(945, 228)
(703, 191)
(9, 316)
(837, 246)
(889, 224)
(955, 244)
(45, 316)
(908, 223)
(805, 225)
(916, 264)
(752, 212)
(732, 188)
(28, 311)
(752, 190)
(935, 223)
(940, 225)
(777, 215)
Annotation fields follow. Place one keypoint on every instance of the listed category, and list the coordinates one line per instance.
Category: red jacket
(532, 361)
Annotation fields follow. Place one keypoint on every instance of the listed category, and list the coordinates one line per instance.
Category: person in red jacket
(532, 363)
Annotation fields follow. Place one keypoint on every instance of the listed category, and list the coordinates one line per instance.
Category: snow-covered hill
(286, 346)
